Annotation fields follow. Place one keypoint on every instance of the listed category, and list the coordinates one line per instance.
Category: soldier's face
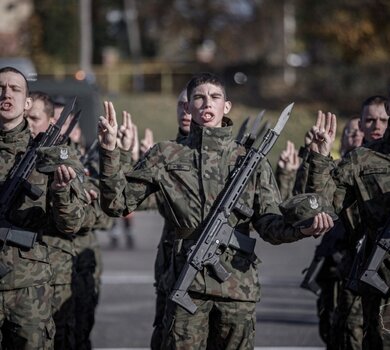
(37, 118)
(374, 122)
(207, 105)
(353, 136)
(13, 98)
(183, 118)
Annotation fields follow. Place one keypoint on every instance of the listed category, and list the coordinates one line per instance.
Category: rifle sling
(238, 241)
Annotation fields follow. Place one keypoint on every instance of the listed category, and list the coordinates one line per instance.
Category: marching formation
(214, 190)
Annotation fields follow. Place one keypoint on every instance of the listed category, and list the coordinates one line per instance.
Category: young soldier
(25, 291)
(191, 175)
(361, 176)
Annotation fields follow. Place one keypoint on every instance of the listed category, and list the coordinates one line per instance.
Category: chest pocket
(180, 176)
(376, 180)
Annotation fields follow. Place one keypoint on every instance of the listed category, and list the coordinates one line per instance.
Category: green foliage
(351, 30)
(57, 24)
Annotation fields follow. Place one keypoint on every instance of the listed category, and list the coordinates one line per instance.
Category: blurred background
(321, 54)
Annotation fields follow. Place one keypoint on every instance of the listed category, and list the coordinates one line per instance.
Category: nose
(207, 100)
(6, 91)
(377, 123)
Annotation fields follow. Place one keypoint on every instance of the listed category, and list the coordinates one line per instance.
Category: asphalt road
(286, 314)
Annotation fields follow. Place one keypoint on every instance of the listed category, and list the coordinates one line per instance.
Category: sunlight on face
(208, 105)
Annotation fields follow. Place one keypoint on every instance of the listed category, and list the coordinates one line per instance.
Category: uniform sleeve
(68, 207)
(333, 182)
(285, 180)
(120, 193)
(301, 177)
(267, 220)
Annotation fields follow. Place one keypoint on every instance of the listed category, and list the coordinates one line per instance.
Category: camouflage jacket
(190, 176)
(55, 211)
(363, 175)
(285, 180)
(165, 246)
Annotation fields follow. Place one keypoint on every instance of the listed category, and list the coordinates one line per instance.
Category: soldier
(87, 265)
(191, 175)
(61, 250)
(164, 249)
(362, 176)
(286, 170)
(29, 324)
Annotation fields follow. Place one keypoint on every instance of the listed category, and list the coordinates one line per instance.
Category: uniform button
(207, 176)
(205, 148)
(208, 132)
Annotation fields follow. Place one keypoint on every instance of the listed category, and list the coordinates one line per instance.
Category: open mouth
(207, 116)
(5, 106)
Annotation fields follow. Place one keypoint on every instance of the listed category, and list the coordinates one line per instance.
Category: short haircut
(373, 100)
(205, 78)
(14, 70)
(47, 102)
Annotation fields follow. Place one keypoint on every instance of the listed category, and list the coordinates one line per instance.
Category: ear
(228, 107)
(28, 104)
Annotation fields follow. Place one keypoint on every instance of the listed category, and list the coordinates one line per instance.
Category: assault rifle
(330, 247)
(217, 232)
(370, 274)
(64, 138)
(90, 153)
(17, 182)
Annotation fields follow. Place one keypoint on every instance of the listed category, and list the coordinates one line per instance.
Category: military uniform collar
(19, 133)
(181, 135)
(213, 138)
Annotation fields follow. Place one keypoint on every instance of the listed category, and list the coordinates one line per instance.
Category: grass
(158, 112)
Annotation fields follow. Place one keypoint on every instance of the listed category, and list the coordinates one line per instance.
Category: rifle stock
(217, 231)
(310, 280)
(370, 274)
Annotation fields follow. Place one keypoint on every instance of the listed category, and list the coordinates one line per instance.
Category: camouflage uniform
(162, 265)
(88, 263)
(337, 307)
(26, 313)
(362, 176)
(285, 180)
(190, 176)
(62, 255)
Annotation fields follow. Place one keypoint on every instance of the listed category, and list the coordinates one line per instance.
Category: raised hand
(135, 148)
(289, 159)
(108, 127)
(125, 136)
(63, 176)
(147, 142)
(324, 133)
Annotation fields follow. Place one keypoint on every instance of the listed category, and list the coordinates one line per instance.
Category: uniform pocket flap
(181, 167)
(38, 253)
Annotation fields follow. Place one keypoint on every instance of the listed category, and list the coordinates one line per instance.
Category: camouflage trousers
(347, 327)
(376, 325)
(26, 318)
(86, 289)
(64, 317)
(326, 305)
(217, 324)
